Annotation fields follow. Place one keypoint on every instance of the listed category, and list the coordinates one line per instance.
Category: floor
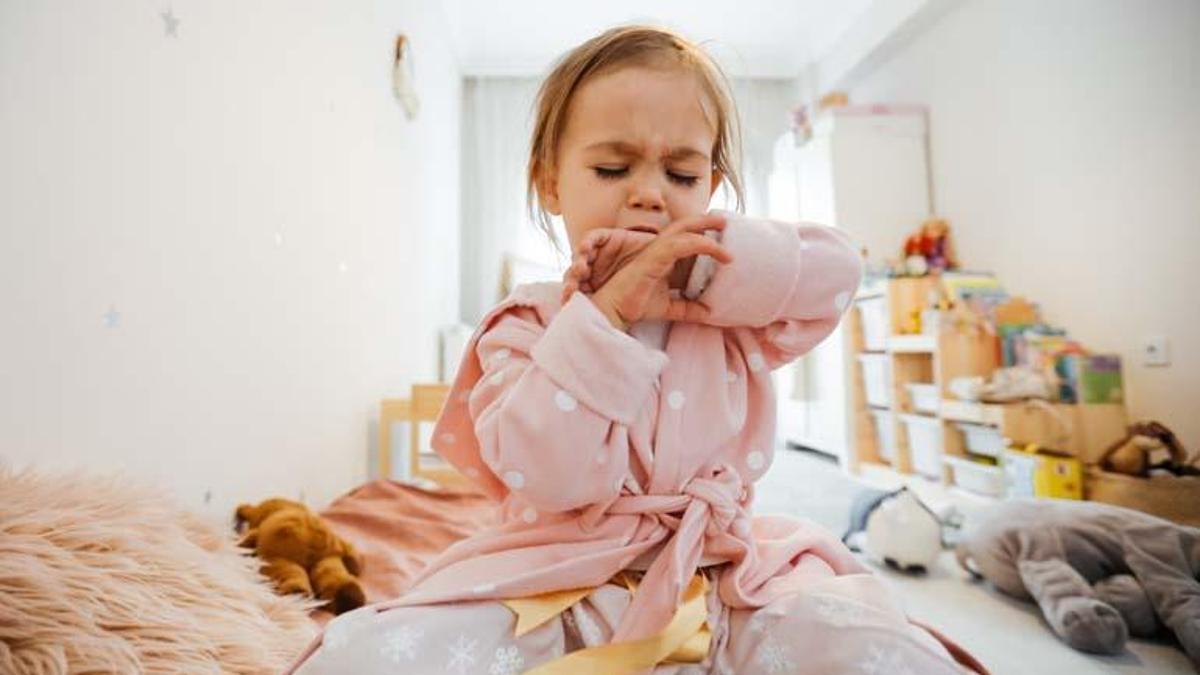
(1006, 635)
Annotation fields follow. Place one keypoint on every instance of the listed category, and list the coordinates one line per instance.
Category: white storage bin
(885, 434)
(925, 444)
(977, 477)
(874, 315)
(925, 398)
(877, 379)
(982, 440)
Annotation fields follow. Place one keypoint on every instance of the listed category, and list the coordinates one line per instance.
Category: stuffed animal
(1146, 442)
(1100, 573)
(900, 529)
(301, 554)
(929, 249)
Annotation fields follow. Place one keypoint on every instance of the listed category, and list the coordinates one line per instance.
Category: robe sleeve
(549, 400)
(789, 283)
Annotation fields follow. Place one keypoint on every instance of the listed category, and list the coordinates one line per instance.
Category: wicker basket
(1175, 498)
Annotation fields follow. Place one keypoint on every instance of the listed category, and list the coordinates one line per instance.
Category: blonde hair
(616, 48)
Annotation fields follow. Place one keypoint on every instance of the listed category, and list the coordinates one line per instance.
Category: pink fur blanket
(100, 575)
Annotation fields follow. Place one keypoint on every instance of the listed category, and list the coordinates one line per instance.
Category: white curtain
(764, 107)
(497, 123)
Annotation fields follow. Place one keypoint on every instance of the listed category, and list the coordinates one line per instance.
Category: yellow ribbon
(685, 640)
(538, 609)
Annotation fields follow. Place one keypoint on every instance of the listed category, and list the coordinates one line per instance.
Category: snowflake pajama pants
(839, 625)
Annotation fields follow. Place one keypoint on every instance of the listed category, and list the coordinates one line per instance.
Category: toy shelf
(930, 359)
(912, 344)
(1081, 430)
(937, 444)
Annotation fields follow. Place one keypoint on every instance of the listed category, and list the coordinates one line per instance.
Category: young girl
(621, 418)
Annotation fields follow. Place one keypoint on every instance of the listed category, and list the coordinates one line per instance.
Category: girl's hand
(601, 253)
(640, 288)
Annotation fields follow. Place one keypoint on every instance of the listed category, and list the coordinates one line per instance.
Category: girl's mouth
(643, 228)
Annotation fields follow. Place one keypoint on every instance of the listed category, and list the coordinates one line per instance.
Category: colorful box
(1093, 378)
(1030, 473)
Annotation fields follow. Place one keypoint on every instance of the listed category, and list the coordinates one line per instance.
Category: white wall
(280, 244)
(1066, 154)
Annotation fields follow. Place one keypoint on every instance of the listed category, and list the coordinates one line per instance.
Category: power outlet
(1156, 351)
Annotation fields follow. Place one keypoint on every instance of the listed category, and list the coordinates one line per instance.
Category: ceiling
(750, 38)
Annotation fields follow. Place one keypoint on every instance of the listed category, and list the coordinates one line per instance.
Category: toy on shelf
(1149, 447)
(1090, 378)
(929, 250)
(1018, 383)
(1148, 470)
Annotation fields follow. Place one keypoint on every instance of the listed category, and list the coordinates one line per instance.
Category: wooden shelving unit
(912, 359)
(937, 358)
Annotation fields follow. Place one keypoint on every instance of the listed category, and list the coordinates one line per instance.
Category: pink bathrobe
(607, 453)
(603, 449)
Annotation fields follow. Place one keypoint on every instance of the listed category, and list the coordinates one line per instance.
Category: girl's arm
(789, 283)
(547, 408)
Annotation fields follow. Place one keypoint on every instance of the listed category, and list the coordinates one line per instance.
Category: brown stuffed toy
(1135, 454)
(301, 554)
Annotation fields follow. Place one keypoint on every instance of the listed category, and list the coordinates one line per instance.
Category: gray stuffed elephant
(1100, 573)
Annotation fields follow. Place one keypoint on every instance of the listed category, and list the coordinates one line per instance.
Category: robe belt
(669, 597)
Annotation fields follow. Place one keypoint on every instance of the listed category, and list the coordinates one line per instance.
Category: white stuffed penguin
(904, 533)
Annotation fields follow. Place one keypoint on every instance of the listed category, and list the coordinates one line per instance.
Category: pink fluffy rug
(101, 576)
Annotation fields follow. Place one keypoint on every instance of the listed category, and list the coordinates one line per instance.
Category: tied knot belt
(666, 617)
(707, 514)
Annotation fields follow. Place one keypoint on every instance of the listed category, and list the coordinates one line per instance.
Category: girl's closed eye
(614, 173)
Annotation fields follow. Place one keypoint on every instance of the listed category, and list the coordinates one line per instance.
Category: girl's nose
(646, 197)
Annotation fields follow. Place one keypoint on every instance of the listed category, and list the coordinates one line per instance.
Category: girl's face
(636, 153)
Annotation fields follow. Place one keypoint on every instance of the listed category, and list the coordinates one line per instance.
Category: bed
(398, 528)
(101, 576)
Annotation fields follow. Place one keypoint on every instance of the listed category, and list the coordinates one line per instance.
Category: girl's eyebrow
(630, 150)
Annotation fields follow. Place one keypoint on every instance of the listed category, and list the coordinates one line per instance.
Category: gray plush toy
(1100, 573)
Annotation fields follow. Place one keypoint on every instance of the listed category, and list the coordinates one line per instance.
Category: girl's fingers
(579, 269)
(708, 221)
(575, 275)
(689, 244)
(588, 251)
(593, 240)
(568, 290)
